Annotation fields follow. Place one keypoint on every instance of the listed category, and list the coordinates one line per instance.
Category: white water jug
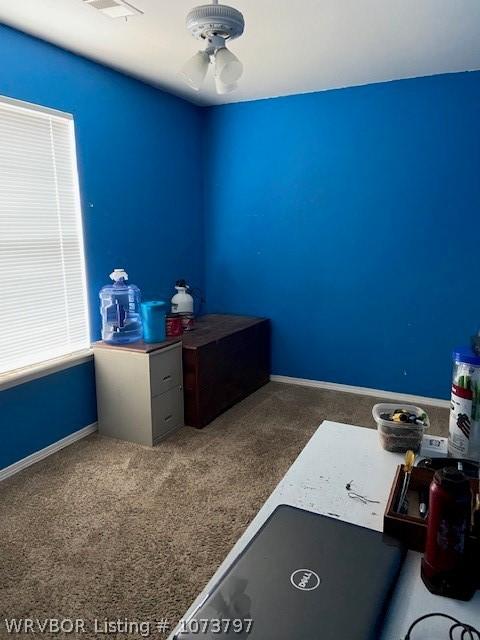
(182, 301)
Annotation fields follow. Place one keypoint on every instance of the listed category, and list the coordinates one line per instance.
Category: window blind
(43, 310)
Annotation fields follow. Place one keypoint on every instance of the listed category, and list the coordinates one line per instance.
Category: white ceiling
(289, 46)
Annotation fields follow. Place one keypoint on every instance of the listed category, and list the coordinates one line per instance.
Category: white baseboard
(364, 391)
(47, 451)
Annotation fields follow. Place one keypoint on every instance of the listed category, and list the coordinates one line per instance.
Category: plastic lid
(465, 354)
(452, 480)
(117, 274)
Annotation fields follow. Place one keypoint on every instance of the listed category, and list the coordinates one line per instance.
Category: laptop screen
(302, 576)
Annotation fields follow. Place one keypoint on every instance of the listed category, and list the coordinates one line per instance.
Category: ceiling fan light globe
(228, 68)
(195, 69)
(222, 88)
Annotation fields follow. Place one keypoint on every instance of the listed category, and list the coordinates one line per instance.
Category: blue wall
(352, 219)
(349, 217)
(37, 413)
(138, 151)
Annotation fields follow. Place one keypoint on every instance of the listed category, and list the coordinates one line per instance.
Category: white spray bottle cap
(117, 274)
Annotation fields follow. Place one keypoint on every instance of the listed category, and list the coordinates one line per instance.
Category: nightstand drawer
(167, 413)
(165, 370)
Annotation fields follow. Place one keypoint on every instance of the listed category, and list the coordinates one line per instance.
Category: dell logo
(305, 579)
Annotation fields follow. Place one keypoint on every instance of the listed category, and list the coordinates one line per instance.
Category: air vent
(114, 8)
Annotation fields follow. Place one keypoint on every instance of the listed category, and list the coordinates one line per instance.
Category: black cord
(467, 631)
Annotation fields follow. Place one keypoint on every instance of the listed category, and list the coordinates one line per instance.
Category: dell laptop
(304, 577)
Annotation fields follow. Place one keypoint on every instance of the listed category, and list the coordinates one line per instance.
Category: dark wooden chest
(225, 358)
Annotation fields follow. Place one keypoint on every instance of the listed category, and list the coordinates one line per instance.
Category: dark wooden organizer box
(412, 529)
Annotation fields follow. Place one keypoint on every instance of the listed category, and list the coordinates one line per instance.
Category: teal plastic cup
(154, 314)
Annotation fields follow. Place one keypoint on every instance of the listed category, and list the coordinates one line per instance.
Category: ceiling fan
(215, 24)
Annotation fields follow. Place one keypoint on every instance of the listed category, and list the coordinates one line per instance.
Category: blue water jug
(154, 314)
(120, 310)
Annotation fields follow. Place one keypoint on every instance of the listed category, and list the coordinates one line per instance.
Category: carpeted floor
(106, 529)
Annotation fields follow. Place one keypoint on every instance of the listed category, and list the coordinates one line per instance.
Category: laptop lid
(303, 576)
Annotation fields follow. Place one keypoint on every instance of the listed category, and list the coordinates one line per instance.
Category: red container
(445, 565)
(174, 326)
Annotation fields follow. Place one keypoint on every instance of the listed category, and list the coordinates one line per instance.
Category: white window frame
(39, 369)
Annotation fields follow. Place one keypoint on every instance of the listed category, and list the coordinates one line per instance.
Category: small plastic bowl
(399, 437)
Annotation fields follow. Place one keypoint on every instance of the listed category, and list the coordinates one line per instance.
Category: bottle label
(451, 536)
(460, 421)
